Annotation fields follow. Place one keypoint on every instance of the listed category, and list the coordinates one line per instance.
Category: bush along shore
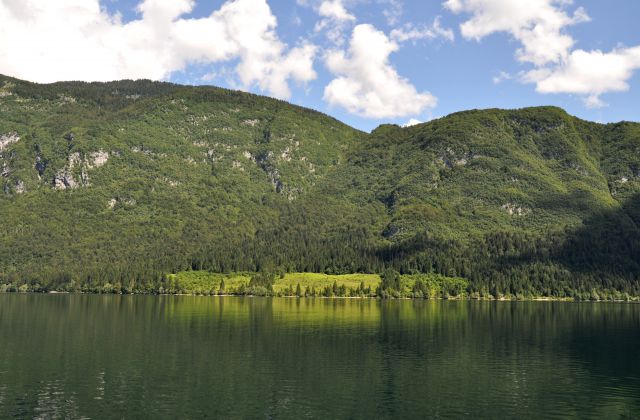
(388, 285)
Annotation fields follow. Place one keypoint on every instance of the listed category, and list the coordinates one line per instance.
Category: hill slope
(127, 181)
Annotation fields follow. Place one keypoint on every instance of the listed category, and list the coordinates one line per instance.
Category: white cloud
(334, 9)
(335, 19)
(537, 24)
(367, 84)
(45, 41)
(412, 122)
(393, 11)
(539, 27)
(589, 73)
(501, 77)
(409, 32)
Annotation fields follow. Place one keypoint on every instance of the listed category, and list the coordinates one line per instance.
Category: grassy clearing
(319, 281)
(204, 282)
(317, 284)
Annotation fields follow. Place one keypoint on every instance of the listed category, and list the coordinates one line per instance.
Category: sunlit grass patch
(319, 281)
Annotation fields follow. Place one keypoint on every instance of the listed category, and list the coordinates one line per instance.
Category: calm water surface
(79, 356)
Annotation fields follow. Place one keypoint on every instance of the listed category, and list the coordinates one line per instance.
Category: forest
(129, 186)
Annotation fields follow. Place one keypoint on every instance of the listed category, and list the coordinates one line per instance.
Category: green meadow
(203, 282)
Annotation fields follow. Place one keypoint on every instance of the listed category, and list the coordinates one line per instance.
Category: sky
(365, 62)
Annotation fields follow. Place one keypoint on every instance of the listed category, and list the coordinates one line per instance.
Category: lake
(97, 356)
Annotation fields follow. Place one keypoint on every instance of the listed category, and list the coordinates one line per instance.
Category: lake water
(89, 356)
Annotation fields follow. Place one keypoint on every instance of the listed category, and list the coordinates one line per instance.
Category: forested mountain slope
(127, 181)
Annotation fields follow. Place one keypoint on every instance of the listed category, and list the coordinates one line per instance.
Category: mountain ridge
(134, 180)
(177, 86)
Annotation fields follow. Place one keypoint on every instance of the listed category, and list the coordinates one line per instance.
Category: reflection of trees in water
(515, 356)
(319, 357)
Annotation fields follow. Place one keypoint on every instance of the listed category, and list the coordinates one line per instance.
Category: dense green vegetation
(114, 186)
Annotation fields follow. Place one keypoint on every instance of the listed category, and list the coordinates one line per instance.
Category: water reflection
(138, 356)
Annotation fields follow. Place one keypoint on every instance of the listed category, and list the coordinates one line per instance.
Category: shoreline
(465, 298)
(387, 286)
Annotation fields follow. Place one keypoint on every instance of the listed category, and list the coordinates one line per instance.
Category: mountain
(128, 181)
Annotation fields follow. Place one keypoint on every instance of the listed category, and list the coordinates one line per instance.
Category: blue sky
(365, 62)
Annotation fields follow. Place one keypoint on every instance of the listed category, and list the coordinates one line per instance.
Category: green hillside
(126, 182)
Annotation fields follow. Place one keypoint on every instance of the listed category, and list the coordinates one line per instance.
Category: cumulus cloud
(590, 74)
(45, 41)
(366, 82)
(334, 20)
(334, 9)
(539, 26)
(410, 32)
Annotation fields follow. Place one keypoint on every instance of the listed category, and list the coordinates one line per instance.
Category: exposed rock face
(249, 156)
(130, 202)
(450, 159)
(20, 188)
(7, 139)
(6, 171)
(515, 210)
(286, 155)
(66, 99)
(265, 162)
(15, 186)
(143, 150)
(250, 123)
(97, 159)
(64, 178)
(68, 177)
(74, 160)
(4, 92)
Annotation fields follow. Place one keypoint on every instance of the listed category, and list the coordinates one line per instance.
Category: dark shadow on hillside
(607, 242)
(606, 246)
(604, 252)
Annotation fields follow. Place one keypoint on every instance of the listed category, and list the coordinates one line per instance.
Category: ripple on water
(184, 357)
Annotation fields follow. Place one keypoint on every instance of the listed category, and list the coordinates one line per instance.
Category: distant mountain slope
(479, 171)
(126, 181)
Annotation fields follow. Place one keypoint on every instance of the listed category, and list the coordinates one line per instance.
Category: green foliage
(261, 283)
(520, 203)
(431, 286)
(390, 280)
